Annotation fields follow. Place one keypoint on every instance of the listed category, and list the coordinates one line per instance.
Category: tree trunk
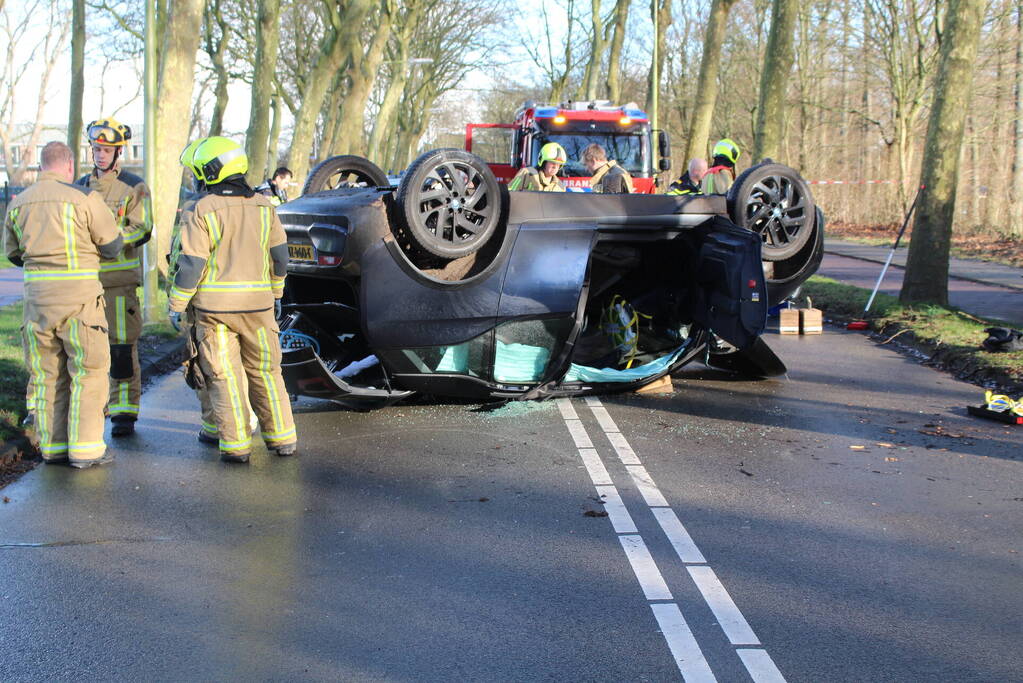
(591, 77)
(926, 278)
(774, 80)
(178, 46)
(275, 136)
(1016, 194)
(262, 156)
(614, 59)
(707, 83)
(663, 10)
(217, 51)
(351, 138)
(384, 122)
(74, 120)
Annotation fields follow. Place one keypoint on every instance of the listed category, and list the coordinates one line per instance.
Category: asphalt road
(846, 523)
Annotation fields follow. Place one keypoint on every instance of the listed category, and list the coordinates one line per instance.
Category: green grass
(4, 263)
(957, 333)
(12, 372)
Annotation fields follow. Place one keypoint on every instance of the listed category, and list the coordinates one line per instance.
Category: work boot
(205, 438)
(234, 457)
(60, 459)
(122, 426)
(85, 464)
(285, 450)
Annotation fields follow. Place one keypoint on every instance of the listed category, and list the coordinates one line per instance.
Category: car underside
(451, 286)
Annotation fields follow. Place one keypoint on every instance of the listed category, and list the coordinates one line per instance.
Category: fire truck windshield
(627, 149)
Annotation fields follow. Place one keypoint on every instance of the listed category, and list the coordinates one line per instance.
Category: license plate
(301, 252)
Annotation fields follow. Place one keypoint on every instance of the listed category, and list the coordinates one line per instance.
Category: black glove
(175, 319)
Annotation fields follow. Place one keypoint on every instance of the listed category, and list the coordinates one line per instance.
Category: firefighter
(58, 232)
(543, 177)
(128, 198)
(689, 182)
(231, 269)
(608, 176)
(276, 187)
(722, 171)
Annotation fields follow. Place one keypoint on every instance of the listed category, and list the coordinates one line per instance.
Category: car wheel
(344, 170)
(450, 202)
(773, 200)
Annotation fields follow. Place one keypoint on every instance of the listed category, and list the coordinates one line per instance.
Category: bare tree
(74, 120)
(767, 139)
(926, 278)
(215, 39)
(264, 69)
(1016, 202)
(591, 77)
(27, 48)
(707, 85)
(618, 24)
(660, 12)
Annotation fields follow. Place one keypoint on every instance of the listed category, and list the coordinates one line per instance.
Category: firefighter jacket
(233, 257)
(529, 178)
(612, 179)
(58, 232)
(187, 208)
(684, 185)
(276, 195)
(717, 180)
(128, 198)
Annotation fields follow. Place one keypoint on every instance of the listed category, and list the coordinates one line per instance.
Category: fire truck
(623, 131)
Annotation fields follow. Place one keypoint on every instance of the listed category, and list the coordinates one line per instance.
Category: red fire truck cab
(623, 131)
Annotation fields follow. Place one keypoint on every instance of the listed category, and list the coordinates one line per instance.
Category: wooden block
(788, 322)
(659, 386)
(811, 321)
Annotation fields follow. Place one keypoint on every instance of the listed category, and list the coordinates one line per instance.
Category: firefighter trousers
(68, 358)
(240, 348)
(124, 322)
(209, 419)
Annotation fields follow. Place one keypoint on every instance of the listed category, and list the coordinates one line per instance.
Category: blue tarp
(582, 373)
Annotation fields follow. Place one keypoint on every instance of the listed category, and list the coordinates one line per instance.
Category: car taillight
(327, 260)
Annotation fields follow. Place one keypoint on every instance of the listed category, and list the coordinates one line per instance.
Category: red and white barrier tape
(849, 182)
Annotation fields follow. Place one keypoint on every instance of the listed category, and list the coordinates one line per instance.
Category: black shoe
(122, 426)
(234, 457)
(55, 459)
(85, 464)
(207, 439)
(285, 449)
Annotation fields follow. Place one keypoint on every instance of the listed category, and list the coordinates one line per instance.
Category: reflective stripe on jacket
(528, 178)
(612, 179)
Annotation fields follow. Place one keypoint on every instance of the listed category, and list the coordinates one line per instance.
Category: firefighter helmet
(552, 151)
(727, 149)
(108, 131)
(217, 158)
(188, 155)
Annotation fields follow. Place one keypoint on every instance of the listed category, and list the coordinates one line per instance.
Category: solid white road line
(616, 511)
(594, 465)
(651, 494)
(647, 573)
(680, 539)
(721, 604)
(683, 645)
(760, 666)
(579, 435)
(622, 448)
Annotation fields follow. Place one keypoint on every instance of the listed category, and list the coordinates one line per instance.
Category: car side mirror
(664, 150)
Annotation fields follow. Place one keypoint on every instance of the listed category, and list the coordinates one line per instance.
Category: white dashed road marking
(680, 639)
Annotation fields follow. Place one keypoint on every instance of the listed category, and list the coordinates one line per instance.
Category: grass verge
(4, 263)
(951, 338)
(12, 373)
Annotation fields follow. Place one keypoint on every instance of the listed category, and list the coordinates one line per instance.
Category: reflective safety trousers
(240, 356)
(67, 357)
(124, 323)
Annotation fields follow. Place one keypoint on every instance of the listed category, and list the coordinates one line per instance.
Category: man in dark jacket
(608, 176)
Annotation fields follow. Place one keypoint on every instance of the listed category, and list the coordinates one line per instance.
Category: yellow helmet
(727, 149)
(188, 155)
(215, 159)
(108, 131)
(552, 151)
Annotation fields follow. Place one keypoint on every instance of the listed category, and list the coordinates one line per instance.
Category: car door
(730, 289)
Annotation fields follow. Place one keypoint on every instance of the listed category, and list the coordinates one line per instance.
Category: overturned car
(450, 285)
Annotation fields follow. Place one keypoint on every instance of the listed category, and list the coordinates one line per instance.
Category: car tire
(773, 200)
(450, 203)
(344, 170)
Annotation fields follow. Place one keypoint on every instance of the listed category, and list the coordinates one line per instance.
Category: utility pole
(655, 81)
(150, 272)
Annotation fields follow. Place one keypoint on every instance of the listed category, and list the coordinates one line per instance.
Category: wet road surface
(846, 523)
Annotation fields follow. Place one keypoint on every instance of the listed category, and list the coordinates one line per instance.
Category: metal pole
(150, 272)
(655, 70)
(895, 246)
